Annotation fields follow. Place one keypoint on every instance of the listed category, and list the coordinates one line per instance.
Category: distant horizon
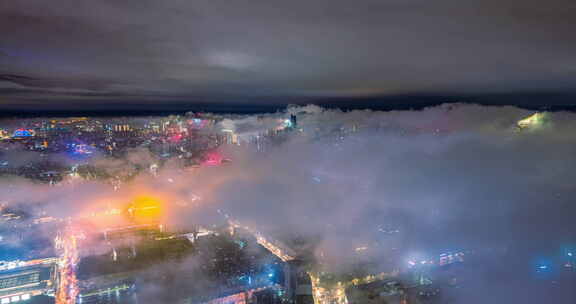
(539, 102)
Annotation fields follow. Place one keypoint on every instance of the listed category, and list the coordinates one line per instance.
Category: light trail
(323, 295)
(107, 290)
(241, 297)
(372, 278)
(66, 244)
(337, 294)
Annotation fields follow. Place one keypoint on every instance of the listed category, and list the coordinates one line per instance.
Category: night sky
(158, 55)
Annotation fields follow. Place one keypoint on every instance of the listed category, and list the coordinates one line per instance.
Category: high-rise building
(293, 121)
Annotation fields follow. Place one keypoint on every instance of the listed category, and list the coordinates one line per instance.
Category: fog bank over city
(382, 188)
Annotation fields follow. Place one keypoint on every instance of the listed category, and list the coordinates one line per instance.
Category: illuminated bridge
(275, 247)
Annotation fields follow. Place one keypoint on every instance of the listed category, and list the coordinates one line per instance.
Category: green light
(533, 121)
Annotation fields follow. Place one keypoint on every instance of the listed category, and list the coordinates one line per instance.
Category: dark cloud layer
(88, 52)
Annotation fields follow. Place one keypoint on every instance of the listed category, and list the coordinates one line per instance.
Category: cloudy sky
(77, 53)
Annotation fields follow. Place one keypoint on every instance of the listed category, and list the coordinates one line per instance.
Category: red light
(213, 159)
(176, 137)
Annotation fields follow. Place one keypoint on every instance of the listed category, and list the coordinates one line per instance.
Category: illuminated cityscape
(287, 152)
(153, 224)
